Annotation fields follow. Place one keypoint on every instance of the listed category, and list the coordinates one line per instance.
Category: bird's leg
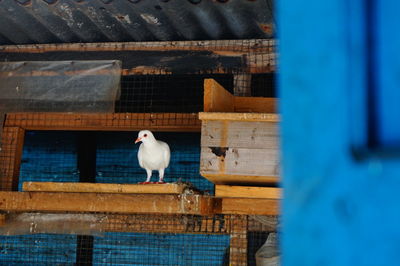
(161, 174)
(148, 171)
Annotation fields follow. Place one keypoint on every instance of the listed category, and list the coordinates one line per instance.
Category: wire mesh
(144, 240)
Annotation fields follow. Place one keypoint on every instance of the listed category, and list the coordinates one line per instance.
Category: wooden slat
(264, 117)
(2, 219)
(227, 179)
(238, 134)
(238, 240)
(10, 157)
(105, 122)
(255, 104)
(216, 98)
(253, 45)
(105, 202)
(104, 188)
(224, 191)
(250, 206)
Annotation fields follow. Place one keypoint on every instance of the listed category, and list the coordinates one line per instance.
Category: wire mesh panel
(140, 240)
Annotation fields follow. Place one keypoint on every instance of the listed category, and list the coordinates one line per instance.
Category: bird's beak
(138, 140)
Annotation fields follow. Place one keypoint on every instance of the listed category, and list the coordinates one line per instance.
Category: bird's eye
(145, 135)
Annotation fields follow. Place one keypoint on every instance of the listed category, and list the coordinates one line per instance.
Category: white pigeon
(153, 154)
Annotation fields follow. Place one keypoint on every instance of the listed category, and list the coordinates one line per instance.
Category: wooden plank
(255, 104)
(104, 188)
(216, 98)
(105, 122)
(253, 45)
(239, 162)
(238, 134)
(2, 219)
(105, 202)
(250, 206)
(228, 179)
(238, 240)
(265, 117)
(224, 191)
(10, 157)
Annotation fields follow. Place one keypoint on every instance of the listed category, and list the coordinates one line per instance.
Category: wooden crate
(237, 147)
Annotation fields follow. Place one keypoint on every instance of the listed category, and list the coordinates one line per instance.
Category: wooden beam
(228, 179)
(105, 202)
(174, 122)
(103, 188)
(249, 117)
(2, 219)
(255, 104)
(216, 98)
(224, 191)
(12, 143)
(250, 206)
(253, 45)
(238, 240)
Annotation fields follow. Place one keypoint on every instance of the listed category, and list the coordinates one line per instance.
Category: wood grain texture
(255, 104)
(216, 98)
(224, 191)
(105, 202)
(12, 143)
(244, 180)
(174, 122)
(248, 117)
(104, 188)
(250, 206)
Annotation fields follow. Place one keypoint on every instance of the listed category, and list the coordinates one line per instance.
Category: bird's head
(145, 136)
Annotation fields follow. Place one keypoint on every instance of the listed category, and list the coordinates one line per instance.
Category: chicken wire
(166, 80)
(132, 239)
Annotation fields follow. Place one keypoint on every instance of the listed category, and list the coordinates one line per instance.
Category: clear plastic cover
(59, 86)
(53, 223)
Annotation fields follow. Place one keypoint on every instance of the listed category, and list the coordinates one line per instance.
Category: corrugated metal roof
(69, 21)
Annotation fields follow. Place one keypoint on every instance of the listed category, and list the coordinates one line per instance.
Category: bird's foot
(160, 182)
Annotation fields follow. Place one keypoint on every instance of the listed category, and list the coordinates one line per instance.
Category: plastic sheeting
(49, 223)
(59, 86)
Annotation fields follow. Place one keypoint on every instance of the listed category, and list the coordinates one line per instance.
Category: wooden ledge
(106, 202)
(223, 191)
(243, 117)
(103, 188)
(247, 206)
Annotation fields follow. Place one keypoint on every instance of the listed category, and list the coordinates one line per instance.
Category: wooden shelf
(182, 122)
(249, 206)
(106, 202)
(167, 188)
(223, 191)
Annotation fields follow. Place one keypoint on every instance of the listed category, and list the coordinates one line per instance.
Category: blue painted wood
(336, 210)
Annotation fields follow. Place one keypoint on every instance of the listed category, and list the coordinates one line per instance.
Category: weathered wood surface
(238, 243)
(255, 104)
(105, 202)
(246, 117)
(103, 188)
(250, 206)
(224, 191)
(10, 157)
(253, 56)
(216, 98)
(235, 152)
(176, 122)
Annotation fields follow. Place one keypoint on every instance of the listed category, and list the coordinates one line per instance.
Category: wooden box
(236, 147)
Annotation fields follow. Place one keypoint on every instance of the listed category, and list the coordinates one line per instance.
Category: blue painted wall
(337, 210)
(51, 156)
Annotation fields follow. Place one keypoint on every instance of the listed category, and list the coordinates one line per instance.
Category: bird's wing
(166, 154)
(140, 155)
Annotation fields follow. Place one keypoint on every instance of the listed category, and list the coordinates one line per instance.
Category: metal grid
(144, 240)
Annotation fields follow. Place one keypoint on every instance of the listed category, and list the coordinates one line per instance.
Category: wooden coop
(69, 179)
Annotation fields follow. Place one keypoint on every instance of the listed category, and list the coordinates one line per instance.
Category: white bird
(153, 154)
